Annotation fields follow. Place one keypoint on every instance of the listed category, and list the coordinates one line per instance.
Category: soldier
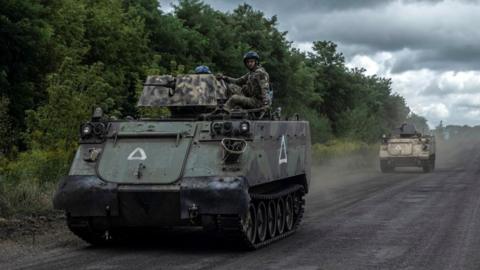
(255, 87)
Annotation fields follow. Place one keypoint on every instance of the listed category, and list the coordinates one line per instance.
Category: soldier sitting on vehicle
(250, 91)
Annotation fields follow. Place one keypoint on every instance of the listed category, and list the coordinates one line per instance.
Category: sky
(429, 48)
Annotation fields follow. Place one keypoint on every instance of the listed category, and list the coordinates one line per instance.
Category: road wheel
(272, 218)
(249, 224)
(280, 216)
(261, 222)
(289, 213)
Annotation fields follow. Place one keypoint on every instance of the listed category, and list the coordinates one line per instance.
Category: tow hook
(139, 172)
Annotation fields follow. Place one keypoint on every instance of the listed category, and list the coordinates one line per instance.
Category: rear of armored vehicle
(406, 148)
(239, 175)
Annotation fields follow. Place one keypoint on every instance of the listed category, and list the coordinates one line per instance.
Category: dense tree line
(59, 58)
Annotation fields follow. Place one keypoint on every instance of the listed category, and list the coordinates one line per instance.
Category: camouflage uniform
(253, 92)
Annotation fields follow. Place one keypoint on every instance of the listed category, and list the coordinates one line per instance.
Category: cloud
(441, 36)
(454, 83)
(451, 97)
(436, 110)
(379, 64)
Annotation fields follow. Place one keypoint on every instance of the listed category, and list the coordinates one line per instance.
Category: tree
(420, 122)
(26, 57)
(6, 133)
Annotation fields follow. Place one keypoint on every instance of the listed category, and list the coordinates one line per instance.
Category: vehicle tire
(385, 167)
(427, 166)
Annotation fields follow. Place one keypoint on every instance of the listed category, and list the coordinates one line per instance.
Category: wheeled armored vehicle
(243, 173)
(406, 147)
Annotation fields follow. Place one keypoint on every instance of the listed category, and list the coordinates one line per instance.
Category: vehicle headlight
(86, 130)
(244, 127)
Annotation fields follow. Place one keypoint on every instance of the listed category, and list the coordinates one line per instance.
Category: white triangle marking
(282, 158)
(137, 154)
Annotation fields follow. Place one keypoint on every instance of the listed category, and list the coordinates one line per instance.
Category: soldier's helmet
(202, 70)
(251, 55)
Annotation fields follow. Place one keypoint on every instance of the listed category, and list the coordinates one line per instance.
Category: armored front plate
(158, 160)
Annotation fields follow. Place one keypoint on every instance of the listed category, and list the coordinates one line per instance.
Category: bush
(340, 148)
(27, 183)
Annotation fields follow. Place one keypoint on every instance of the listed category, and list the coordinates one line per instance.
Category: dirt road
(354, 220)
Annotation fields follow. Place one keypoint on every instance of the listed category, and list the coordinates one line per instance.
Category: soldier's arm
(238, 81)
(262, 84)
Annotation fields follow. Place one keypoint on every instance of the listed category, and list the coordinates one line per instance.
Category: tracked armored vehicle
(242, 173)
(406, 147)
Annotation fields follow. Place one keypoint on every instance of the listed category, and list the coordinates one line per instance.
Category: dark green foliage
(6, 132)
(26, 56)
(100, 51)
(419, 121)
(60, 58)
(358, 106)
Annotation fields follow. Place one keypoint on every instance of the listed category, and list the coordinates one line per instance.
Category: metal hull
(175, 174)
(152, 205)
(405, 161)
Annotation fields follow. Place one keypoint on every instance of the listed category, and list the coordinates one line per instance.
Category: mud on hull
(98, 211)
(152, 205)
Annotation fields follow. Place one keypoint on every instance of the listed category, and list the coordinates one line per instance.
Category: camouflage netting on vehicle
(184, 90)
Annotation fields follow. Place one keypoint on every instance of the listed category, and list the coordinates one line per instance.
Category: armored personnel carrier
(243, 173)
(406, 147)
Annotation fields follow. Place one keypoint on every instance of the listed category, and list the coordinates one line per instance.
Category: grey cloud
(443, 34)
(463, 92)
(285, 7)
(434, 90)
(440, 59)
(467, 107)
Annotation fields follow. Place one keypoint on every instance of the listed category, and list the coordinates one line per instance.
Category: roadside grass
(27, 184)
(361, 153)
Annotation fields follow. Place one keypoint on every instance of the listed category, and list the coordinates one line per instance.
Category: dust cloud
(341, 171)
(329, 178)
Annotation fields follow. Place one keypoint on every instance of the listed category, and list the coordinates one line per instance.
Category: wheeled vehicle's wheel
(427, 166)
(385, 167)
